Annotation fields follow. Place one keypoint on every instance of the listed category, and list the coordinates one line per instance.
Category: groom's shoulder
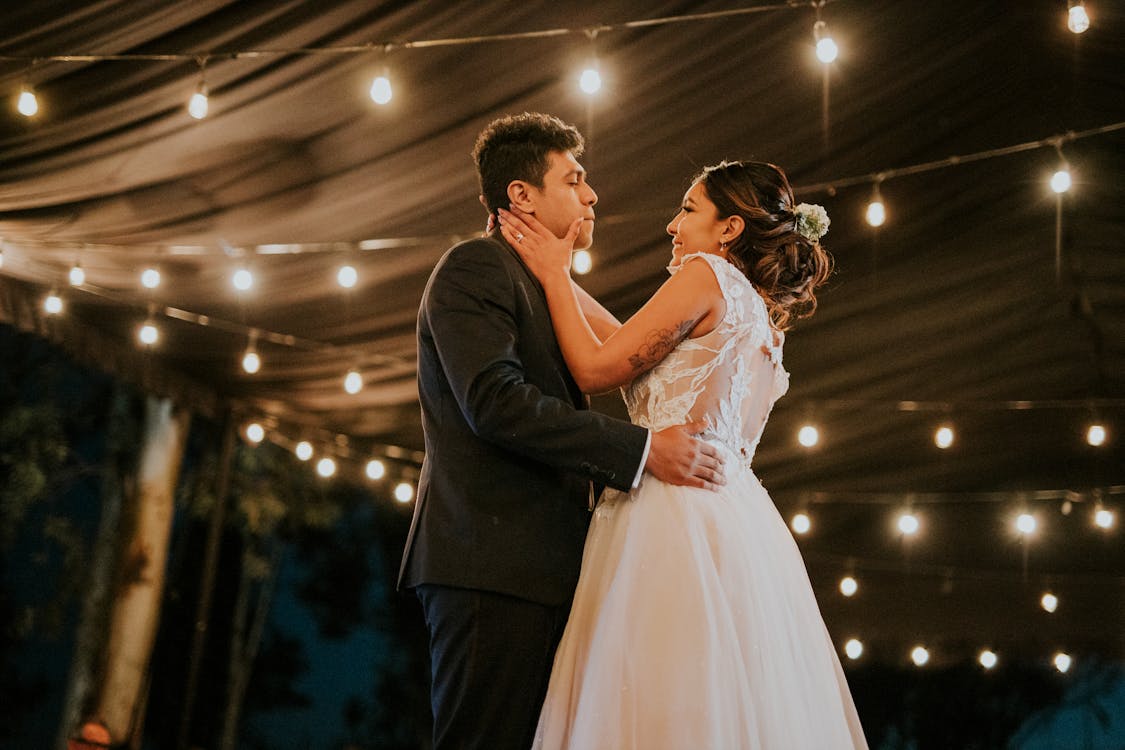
(478, 254)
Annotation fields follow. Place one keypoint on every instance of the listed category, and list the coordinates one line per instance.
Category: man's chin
(585, 237)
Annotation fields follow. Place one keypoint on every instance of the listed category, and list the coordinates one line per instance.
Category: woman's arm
(685, 300)
(601, 320)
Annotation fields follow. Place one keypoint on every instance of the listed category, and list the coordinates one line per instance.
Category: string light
(28, 103)
(198, 104)
(304, 450)
(908, 523)
(77, 275)
(1060, 181)
(1049, 602)
(808, 436)
(826, 49)
(590, 81)
(876, 211)
(381, 92)
(581, 262)
(1104, 518)
(150, 278)
(1077, 19)
(353, 381)
(987, 659)
(375, 469)
(801, 523)
(853, 648)
(53, 304)
(251, 362)
(848, 586)
(326, 467)
(347, 277)
(1096, 435)
(1062, 662)
(1026, 523)
(148, 334)
(255, 433)
(404, 492)
(919, 655)
(943, 437)
(242, 280)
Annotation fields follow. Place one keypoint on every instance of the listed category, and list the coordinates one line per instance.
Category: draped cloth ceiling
(955, 304)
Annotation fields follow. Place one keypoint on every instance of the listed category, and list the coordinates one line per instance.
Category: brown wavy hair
(785, 266)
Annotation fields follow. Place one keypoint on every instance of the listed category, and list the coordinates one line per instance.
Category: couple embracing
(684, 610)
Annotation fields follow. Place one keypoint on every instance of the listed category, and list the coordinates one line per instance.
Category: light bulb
(908, 524)
(1025, 523)
(353, 382)
(381, 90)
(1095, 435)
(1060, 181)
(590, 81)
(53, 304)
(1104, 518)
(1049, 602)
(304, 450)
(376, 469)
(326, 467)
(150, 278)
(148, 334)
(1077, 20)
(943, 437)
(255, 433)
(1062, 662)
(801, 523)
(28, 104)
(582, 261)
(404, 492)
(987, 659)
(853, 648)
(919, 655)
(347, 277)
(848, 586)
(826, 50)
(251, 362)
(242, 280)
(77, 276)
(876, 213)
(808, 436)
(197, 105)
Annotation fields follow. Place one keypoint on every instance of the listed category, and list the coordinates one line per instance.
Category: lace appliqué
(729, 378)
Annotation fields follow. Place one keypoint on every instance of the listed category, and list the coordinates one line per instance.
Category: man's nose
(591, 197)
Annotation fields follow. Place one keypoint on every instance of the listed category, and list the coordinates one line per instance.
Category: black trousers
(491, 659)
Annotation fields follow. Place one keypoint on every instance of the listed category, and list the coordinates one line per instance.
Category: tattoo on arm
(658, 344)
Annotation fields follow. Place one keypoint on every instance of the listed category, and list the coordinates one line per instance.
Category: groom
(495, 545)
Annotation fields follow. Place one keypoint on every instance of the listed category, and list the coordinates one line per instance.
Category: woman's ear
(519, 196)
(734, 227)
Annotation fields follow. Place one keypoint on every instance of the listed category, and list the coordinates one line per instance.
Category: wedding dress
(694, 625)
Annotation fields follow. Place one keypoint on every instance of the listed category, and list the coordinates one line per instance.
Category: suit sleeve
(471, 314)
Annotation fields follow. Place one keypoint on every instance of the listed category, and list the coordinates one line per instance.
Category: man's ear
(520, 196)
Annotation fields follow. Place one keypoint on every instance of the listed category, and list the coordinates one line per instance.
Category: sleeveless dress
(694, 624)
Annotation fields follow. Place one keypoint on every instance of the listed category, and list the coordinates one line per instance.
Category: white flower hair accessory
(811, 221)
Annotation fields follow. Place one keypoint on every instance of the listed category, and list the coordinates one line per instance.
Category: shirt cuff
(644, 460)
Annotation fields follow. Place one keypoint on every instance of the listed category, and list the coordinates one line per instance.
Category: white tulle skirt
(694, 626)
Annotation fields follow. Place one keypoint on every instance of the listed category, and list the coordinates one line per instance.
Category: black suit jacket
(510, 445)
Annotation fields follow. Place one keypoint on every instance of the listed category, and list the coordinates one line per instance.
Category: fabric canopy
(957, 310)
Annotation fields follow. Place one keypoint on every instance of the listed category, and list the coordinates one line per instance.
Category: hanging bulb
(251, 362)
(242, 280)
(1062, 662)
(848, 586)
(53, 304)
(326, 467)
(404, 492)
(1049, 602)
(381, 92)
(304, 450)
(801, 523)
(1060, 181)
(255, 433)
(919, 656)
(1104, 518)
(150, 278)
(908, 523)
(353, 382)
(1077, 20)
(1095, 435)
(943, 437)
(197, 105)
(808, 436)
(826, 49)
(987, 659)
(1025, 524)
(876, 211)
(591, 80)
(77, 275)
(581, 262)
(347, 277)
(375, 469)
(853, 648)
(28, 103)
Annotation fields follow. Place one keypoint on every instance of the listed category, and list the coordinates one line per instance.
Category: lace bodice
(729, 378)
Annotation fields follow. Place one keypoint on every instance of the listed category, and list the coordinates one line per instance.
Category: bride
(694, 624)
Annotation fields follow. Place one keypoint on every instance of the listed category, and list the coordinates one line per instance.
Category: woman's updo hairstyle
(784, 265)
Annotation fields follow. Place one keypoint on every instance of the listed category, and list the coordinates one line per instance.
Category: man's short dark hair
(517, 147)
